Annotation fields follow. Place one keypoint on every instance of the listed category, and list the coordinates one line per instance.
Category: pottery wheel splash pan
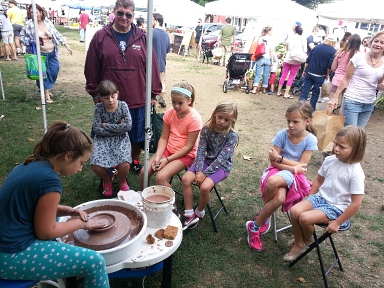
(116, 230)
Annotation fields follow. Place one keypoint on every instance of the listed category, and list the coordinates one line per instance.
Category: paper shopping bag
(326, 89)
(326, 125)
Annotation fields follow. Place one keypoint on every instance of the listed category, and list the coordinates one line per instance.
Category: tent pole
(37, 42)
(148, 128)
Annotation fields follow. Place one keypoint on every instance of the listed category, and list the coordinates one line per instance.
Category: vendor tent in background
(251, 9)
(179, 12)
(282, 16)
(175, 12)
(367, 11)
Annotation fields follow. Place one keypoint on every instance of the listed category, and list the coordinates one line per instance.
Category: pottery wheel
(102, 240)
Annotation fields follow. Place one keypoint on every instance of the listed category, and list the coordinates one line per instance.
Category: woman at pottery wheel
(29, 205)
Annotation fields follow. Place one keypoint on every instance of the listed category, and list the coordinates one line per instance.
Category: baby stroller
(297, 86)
(238, 64)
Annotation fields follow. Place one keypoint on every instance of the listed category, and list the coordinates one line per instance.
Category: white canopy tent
(179, 12)
(281, 17)
(255, 9)
(368, 11)
(175, 12)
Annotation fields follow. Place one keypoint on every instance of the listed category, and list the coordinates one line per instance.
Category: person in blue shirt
(29, 205)
(161, 45)
(317, 69)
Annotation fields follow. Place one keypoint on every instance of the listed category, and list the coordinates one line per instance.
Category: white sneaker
(1, 117)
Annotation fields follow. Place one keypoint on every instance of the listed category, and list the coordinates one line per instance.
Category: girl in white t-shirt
(336, 194)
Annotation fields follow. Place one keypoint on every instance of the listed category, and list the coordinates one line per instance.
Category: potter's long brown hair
(60, 139)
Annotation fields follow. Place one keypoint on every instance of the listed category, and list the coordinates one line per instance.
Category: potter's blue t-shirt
(294, 151)
(18, 199)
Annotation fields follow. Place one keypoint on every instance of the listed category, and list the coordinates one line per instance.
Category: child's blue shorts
(318, 203)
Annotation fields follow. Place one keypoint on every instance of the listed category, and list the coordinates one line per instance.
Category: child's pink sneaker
(107, 189)
(253, 237)
(125, 187)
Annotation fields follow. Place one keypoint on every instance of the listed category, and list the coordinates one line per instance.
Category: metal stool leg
(316, 244)
(275, 230)
(211, 214)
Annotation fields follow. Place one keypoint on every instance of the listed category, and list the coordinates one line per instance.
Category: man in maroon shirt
(118, 53)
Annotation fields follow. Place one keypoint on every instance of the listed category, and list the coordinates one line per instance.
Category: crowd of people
(353, 66)
(115, 73)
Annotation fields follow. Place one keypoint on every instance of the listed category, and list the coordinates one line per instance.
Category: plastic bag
(217, 52)
(32, 64)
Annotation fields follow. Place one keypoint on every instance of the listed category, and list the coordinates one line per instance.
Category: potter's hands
(300, 169)
(273, 155)
(92, 224)
(80, 213)
(199, 179)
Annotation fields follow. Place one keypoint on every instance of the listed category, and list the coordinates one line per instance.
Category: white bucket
(158, 204)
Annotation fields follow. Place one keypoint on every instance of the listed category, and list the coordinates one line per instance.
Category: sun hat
(330, 39)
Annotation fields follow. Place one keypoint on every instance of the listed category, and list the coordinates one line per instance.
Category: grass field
(205, 258)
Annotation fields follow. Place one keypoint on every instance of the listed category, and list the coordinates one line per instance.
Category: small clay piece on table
(150, 239)
(171, 232)
(160, 234)
(168, 243)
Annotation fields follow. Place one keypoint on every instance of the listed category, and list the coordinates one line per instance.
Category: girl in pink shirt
(340, 63)
(177, 146)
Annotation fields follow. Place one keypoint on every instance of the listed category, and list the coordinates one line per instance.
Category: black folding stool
(316, 244)
(211, 214)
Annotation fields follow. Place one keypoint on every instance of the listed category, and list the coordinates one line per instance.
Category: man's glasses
(121, 14)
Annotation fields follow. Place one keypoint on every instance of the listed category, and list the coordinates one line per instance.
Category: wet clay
(105, 219)
(104, 239)
(157, 198)
(126, 226)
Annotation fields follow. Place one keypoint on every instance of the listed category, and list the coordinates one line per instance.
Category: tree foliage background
(312, 4)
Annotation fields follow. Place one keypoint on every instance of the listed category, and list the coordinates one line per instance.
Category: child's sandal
(107, 189)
